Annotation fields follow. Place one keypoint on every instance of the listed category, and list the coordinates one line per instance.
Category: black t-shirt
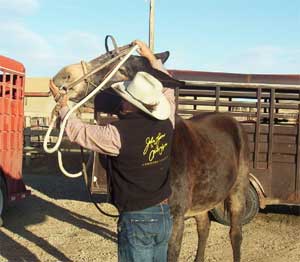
(140, 173)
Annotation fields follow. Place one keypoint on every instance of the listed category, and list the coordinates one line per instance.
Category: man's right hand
(145, 51)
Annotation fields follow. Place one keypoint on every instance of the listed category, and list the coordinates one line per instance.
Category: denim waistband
(156, 209)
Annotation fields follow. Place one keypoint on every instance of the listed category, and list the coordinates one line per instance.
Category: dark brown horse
(209, 166)
(209, 156)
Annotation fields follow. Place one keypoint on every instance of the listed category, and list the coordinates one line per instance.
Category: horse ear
(166, 80)
(163, 56)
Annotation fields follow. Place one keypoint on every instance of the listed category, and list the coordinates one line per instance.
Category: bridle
(121, 54)
(116, 54)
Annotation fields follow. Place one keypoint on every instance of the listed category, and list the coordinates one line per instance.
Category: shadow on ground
(34, 210)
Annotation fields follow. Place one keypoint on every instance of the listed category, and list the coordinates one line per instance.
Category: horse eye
(66, 77)
(122, 71)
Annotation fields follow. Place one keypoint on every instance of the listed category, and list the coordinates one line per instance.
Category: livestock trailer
(12, 78)
(268, 108)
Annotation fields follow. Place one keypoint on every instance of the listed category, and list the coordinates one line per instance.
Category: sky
(239, 36)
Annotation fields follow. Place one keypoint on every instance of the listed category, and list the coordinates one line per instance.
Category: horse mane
(224, 122)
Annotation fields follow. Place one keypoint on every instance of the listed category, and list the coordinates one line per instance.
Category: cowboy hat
(145, 92)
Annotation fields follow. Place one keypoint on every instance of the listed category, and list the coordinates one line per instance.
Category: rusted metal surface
(271, 129)
(238, 78)
(297, 180)
(217, 98)
(257, 128)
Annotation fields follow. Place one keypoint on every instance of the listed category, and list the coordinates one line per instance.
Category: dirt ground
(57, 223)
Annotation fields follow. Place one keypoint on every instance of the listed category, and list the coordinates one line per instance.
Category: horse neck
(191, 141)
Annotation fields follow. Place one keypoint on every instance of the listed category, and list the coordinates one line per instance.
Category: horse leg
(176, 238)
(203, 226)
(236, 209)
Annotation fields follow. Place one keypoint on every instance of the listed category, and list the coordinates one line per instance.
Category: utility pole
(151, 26)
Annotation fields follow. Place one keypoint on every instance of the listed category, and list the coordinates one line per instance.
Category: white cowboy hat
(145, 92)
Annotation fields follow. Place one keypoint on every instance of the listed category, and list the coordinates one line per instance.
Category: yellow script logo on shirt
(154, 146)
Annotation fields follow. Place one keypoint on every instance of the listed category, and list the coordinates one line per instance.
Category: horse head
(81, 78)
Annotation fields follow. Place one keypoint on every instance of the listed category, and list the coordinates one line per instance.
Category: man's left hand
(60, 97)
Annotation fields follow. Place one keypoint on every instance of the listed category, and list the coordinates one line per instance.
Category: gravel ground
(57, 223)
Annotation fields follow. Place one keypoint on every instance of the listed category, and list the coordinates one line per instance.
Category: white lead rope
(75, 107)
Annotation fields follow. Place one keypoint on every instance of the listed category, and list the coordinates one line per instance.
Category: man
(139, 146)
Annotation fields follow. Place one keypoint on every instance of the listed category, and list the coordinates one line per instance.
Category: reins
(85, 177)
(99, 88)
(119, 53)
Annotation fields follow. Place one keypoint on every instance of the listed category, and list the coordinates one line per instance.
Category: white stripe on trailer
(10, 70)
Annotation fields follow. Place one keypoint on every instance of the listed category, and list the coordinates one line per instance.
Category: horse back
(225, 126)
(207, 151)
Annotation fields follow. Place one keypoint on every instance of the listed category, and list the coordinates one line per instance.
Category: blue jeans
(143, 235)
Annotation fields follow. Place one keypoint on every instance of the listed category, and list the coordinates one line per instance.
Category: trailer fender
(259, 190)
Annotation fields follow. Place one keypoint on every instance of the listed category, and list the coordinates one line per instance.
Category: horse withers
(209, 162)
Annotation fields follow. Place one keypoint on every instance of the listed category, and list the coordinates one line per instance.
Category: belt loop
(161, 207)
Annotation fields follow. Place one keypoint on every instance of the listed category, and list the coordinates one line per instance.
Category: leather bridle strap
(97, 69)
(113, 42)
(86, 79)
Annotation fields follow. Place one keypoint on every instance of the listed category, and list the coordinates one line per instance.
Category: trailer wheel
(252, 208)
(3, 197)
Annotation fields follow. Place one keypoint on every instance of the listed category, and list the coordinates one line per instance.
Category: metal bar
(265, 102)
(271, 129)
(217, 105)
(151, 25)
(236, 114)
(198, 92)
(37, 94)
(238, 93)
(297, 180)
(11, 71)
(235, 84)
(244, 104)
(230, 107)
(195, 104)
(176, 99)
(257, 128)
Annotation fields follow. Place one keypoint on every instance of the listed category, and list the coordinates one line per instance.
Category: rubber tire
(3, 198)
(252, 208)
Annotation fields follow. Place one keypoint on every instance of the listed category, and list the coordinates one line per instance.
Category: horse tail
(242, 147)
(242, 144)
(239, 137)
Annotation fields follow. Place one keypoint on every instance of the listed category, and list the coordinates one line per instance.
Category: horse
(209, 159)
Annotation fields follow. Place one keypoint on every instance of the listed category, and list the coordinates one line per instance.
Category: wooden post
(151, 26)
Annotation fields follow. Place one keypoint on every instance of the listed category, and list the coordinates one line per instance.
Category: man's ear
(163, 56)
